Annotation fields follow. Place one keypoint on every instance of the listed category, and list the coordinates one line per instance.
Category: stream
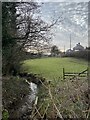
(23, 110)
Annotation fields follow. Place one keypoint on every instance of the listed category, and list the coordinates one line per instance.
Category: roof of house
(69, 51)
(78, 47)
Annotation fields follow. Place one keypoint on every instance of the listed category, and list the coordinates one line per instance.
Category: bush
(5, 114)
(13, 90)
(80, 54)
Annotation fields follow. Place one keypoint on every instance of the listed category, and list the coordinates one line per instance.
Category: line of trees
(85, 54)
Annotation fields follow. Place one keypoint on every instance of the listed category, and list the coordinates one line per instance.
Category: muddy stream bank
(24, 108)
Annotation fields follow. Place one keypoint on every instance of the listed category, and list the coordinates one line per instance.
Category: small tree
(54, 50)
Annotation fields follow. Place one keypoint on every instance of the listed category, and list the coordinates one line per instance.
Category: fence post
(63, 74)
(87, 73)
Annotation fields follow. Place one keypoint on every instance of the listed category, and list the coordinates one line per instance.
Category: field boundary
(73, 75)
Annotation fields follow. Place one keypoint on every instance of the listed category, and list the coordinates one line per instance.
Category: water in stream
(24, 109)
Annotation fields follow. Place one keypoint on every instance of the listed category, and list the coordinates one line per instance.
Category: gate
(73, 75)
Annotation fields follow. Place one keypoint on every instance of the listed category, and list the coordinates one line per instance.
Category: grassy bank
(70, 97)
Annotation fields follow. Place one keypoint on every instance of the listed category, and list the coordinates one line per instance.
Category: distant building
(78, 47)
(69, 51)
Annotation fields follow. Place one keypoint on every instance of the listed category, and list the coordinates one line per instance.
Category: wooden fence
(73, 75)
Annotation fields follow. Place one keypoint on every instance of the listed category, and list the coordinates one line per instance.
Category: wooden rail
(75, 74)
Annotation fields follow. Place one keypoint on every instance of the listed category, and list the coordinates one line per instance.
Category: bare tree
(32, 30)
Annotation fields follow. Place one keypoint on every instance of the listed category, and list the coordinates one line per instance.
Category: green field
(51, 68)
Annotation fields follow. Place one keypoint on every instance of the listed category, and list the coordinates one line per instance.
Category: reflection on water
(33, 87)
(31, 97)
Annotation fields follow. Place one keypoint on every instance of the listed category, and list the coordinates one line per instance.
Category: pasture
(51, 68)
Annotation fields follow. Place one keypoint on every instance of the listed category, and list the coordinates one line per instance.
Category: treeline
(85, 54)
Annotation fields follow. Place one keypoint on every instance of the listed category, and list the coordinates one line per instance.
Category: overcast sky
(74, 17)
(62, 0)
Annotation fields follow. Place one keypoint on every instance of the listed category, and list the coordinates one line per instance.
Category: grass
(68, 95)
(51, 68)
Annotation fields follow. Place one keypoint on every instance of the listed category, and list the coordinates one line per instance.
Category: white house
(78, 47)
